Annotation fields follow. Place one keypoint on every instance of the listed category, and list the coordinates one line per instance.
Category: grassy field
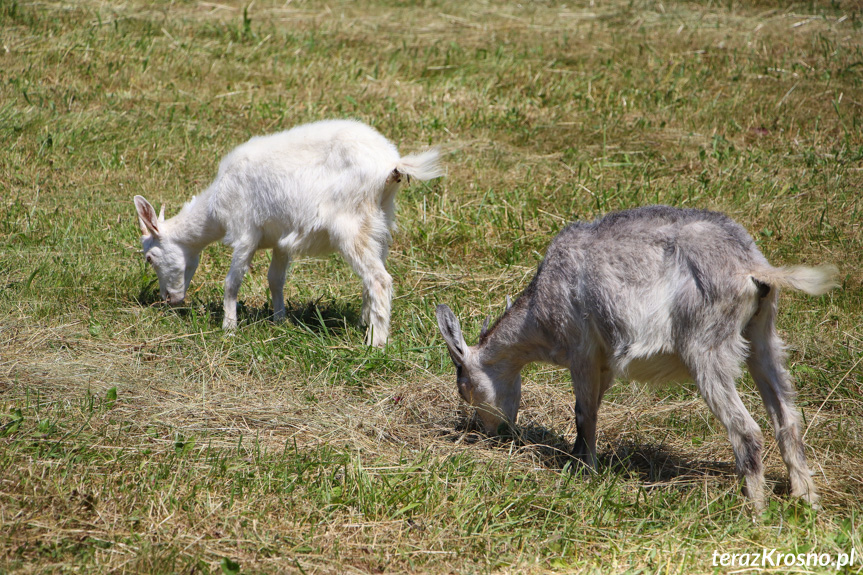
(137, 438)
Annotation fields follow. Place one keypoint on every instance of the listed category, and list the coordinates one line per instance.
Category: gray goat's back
(647, 281)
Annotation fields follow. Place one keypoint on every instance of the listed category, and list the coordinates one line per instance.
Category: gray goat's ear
(451, 332)
(484, 329)
(147, 218)
(508, 302)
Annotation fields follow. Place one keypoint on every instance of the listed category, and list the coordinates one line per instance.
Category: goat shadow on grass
(656, 463)
(553, 449)
(327, 317)
(149, 295)
(333, 316)
(647, 463)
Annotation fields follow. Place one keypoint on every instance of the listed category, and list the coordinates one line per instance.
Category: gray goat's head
(491, 387)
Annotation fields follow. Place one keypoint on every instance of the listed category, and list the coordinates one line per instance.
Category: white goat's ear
(451, 332)
(144, 230)
(162, 214)
(147, 217)
(508, 302)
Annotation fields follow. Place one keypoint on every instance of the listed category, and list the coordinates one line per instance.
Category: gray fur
(653, 294)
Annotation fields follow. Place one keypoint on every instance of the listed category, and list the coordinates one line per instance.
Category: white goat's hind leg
(366, 309)
(276, 278)
(240, 262)
(766, 364)
(714, 373)
(368, 301)
(378, 284)
(364, 256)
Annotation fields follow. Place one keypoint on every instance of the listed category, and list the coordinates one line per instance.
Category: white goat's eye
(149, 259)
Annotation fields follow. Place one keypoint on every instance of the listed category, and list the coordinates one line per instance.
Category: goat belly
(657, 369)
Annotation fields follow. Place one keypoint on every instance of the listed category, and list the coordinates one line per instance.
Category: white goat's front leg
(240, 262)
(276, 278)
(365, 257)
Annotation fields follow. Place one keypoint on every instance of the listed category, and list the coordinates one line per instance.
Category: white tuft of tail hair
(814, 281)
(422, 166)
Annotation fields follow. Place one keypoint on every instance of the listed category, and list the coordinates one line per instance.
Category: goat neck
(515, 340)
(194, 227)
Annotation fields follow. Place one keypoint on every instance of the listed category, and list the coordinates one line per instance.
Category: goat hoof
(811, 498)
(580, 466)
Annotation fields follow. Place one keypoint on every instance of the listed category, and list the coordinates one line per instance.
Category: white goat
(317, 188)
(652, 294)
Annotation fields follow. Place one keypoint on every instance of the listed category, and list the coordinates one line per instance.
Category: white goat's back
(302, 181)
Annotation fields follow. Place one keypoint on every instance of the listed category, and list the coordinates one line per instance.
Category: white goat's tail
(814, 281)
(424, 166)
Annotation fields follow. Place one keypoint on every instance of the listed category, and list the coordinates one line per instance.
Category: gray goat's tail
(423, 166)
(814, 281)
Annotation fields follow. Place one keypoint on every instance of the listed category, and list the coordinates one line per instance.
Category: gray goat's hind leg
(714, 374)
(766, 364)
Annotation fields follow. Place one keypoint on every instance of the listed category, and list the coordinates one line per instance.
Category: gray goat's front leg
(276, 278)
(587, 384)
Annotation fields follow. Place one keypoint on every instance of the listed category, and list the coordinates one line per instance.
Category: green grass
(139, 438)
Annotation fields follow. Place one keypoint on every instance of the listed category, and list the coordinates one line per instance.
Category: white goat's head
(174, 264)
(493, 387)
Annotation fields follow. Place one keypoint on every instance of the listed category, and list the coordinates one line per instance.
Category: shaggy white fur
(317, 188)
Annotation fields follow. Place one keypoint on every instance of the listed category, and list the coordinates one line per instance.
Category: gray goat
(654, 294)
